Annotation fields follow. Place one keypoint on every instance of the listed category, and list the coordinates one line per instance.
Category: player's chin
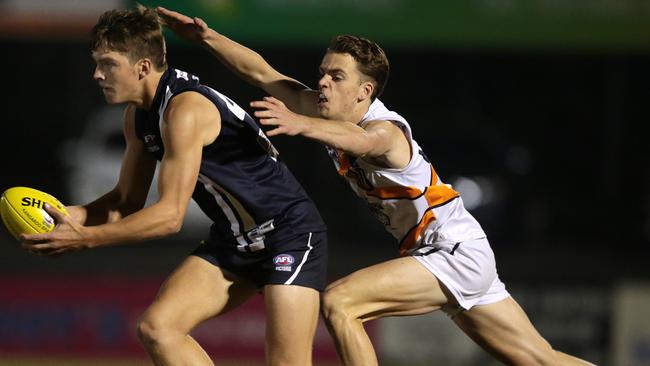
(323, 112)
(112, 99)
(331, 115)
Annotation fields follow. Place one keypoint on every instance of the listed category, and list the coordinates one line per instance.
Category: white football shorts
(467, 269)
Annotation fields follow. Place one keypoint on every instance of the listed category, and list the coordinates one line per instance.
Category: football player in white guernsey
(129, 51)
(446, 262)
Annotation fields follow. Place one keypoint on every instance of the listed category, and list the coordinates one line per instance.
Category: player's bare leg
(398, 287)
(292, 317)
(194, 292)
(404, 287)
(504, 330)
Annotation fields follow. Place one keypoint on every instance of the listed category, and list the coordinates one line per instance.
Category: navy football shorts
(299, 260)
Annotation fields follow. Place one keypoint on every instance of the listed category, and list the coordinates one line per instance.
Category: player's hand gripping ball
(23, 211)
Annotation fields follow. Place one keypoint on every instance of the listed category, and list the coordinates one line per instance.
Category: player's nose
(97, 74)
(322, 82)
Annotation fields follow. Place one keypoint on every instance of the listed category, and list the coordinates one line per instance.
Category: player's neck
(361, 110)
(149, 88)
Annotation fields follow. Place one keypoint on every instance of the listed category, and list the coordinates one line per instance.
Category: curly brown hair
(134, 32)
(370, 58)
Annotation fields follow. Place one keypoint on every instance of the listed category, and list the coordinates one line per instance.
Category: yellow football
(23, 211)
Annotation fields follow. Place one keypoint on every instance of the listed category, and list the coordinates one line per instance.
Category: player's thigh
(196, 291)
(400, 286)
(291, 316)
(504, 330)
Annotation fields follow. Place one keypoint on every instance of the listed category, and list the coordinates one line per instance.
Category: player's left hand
(192, 29)
(273, 112)
(67, 236)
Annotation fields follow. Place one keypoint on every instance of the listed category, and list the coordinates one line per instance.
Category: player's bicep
(381, 137)
(183, 133)
(295, 95)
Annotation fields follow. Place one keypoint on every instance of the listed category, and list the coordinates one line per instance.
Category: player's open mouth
(322, 99)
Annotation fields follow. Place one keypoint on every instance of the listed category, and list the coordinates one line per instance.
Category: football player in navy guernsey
(267, 235)
(446, 262)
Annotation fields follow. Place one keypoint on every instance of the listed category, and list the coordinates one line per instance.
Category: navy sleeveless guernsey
(242, 186)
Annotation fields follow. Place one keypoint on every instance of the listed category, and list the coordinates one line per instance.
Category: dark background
(561, 135)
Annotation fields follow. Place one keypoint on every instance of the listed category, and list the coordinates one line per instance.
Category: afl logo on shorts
(283, 262)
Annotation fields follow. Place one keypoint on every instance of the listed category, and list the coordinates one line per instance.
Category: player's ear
(365, 90)
(144, 67)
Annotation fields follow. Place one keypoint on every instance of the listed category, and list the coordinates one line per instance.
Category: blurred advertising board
(96, 318)
(555, 24)
(501, 24)
(52, 20)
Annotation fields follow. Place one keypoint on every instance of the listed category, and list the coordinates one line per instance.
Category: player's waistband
(260, 237)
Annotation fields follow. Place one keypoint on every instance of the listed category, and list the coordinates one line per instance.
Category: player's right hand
(192, 29)
(67, 236)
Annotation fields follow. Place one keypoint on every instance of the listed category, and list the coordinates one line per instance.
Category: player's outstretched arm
(380, 139)
(244, 62)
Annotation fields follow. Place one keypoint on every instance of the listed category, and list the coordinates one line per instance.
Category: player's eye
(107, 63)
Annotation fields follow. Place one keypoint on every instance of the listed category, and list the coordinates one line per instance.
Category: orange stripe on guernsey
(397, 192)
(439, 195)
(409, 240)
(436, 196)
(344, 162)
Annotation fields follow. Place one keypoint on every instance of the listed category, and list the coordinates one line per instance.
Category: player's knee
(152, 331)
(336, 304)
(146, 331)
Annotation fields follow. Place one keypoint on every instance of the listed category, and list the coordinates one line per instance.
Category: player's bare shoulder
(395, 145)
(387, 130)
(194, 110)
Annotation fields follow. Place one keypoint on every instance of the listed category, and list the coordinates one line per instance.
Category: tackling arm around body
(378, 140)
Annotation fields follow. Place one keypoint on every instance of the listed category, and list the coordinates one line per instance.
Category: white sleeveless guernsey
(415, 206)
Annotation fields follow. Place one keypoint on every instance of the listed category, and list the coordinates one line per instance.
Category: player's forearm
(251, 67)
(106, 209)
(244, 62)
(149, 223)
(345, 136)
